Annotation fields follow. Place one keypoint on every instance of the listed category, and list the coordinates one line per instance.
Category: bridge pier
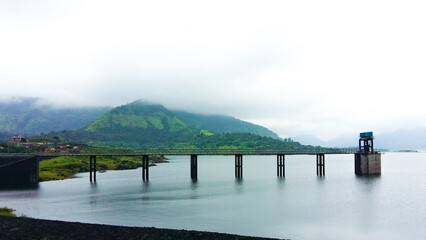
(194, 165)
(92, 167)
(19, 171)
(239, 166)
(145, 168)
(281, 165)
(34, 178)
(320, 165)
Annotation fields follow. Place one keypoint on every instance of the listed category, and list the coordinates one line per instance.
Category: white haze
(297, 67)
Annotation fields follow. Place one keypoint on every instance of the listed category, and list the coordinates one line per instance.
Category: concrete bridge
(20, 169)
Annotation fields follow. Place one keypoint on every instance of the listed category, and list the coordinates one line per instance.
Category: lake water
(299, 206)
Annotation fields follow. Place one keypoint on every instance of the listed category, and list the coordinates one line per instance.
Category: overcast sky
(297, 67)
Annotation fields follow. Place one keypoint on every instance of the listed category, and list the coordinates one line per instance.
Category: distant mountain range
(26, 116)
(402, 139)
(347, 140)
(142, 124)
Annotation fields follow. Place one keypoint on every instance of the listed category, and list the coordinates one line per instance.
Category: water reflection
(32, 186)
(320, 178)
(299, 206)
(239, 185)
(194, 186)
(368, 183)
(22, 193)
(145, 187)
(368, 190)
(93, 193)
(280, 182)
(146, 192)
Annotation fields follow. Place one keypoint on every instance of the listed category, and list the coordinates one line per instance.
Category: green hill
(223, 124)
(138, 115)
(141, 125)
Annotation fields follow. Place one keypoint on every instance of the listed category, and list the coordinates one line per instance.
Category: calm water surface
(300, 206)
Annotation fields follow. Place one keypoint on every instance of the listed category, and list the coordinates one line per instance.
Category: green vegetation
(5, 148)
(155, 120)
(176, 124)
(223, 124)
(66, 167)
(206, 132)
(141, 125)
(108, 120)
(246, 141)
(7, 212)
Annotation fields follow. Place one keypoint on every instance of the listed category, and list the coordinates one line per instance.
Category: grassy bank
(7, 212)
(66, 167)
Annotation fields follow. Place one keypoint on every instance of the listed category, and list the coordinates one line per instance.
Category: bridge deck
(184, 152)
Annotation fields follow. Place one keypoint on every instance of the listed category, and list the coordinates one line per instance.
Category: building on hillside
(75, 149)
(18, 140)
(50, 150)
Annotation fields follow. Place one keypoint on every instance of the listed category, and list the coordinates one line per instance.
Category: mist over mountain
(401, 139)
(28, 116)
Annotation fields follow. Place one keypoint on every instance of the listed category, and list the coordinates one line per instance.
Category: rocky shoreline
(12, 228)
